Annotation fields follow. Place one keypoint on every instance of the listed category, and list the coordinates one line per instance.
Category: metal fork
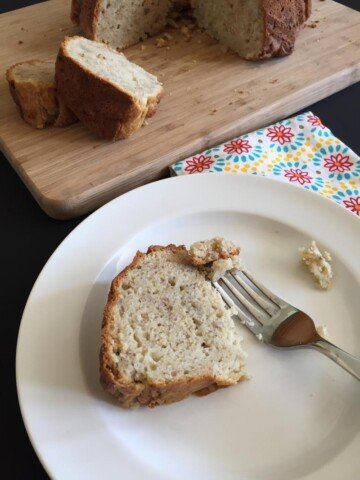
(275, 321)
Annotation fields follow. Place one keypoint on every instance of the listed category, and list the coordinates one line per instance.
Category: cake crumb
(260, 337)
(185, 30)
(172, 23)
(318, 264)
(217, 256)
(323, 331)
(207, 251)
(165, 41)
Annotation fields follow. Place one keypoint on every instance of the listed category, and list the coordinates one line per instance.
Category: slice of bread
(32, 86)
(108, 93)
(253, 28)
(166, 333)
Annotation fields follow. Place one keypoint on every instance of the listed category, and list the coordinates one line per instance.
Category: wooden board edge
(64, 208)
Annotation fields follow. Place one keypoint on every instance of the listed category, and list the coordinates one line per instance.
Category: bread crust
(102, 107)
(65, 116)
(129, 393)
(75, 11)
(282, 21)
(88, 17)
(36, 103)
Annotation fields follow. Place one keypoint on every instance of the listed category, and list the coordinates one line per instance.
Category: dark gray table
(28, 237)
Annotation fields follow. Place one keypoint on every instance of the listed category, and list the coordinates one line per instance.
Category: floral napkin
(299, 150)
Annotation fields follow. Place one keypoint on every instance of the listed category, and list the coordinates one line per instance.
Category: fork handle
(348, 362)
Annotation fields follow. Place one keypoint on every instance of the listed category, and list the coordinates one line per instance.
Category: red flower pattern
(353, 204)
(198, 164)
(297, 175)
(338, 163)
(280, 134)
(237, 146)
(315, 121)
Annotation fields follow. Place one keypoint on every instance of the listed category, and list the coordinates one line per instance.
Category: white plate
(297, 418)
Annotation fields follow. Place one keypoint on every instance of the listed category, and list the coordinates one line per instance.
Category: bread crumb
(323, 331)
(260, 337)
(185, 30)
(172, 23)
(216, 256)
(165, 41)
(318, 264)
(218, 268)
(207, 251)
(160, 42)
(20, 42)
(274, 81)
(311, 25)
(213, 111)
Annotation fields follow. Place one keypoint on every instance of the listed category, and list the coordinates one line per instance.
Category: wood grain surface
(210, 96)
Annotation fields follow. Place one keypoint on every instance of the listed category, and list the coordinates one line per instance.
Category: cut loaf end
(166, 332)
(254, 29)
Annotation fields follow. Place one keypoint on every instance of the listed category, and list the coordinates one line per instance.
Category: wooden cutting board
(210, 96)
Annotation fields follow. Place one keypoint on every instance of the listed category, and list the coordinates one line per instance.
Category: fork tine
(260, 316)
(247, 321)
(274, 298)
(264, 304)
